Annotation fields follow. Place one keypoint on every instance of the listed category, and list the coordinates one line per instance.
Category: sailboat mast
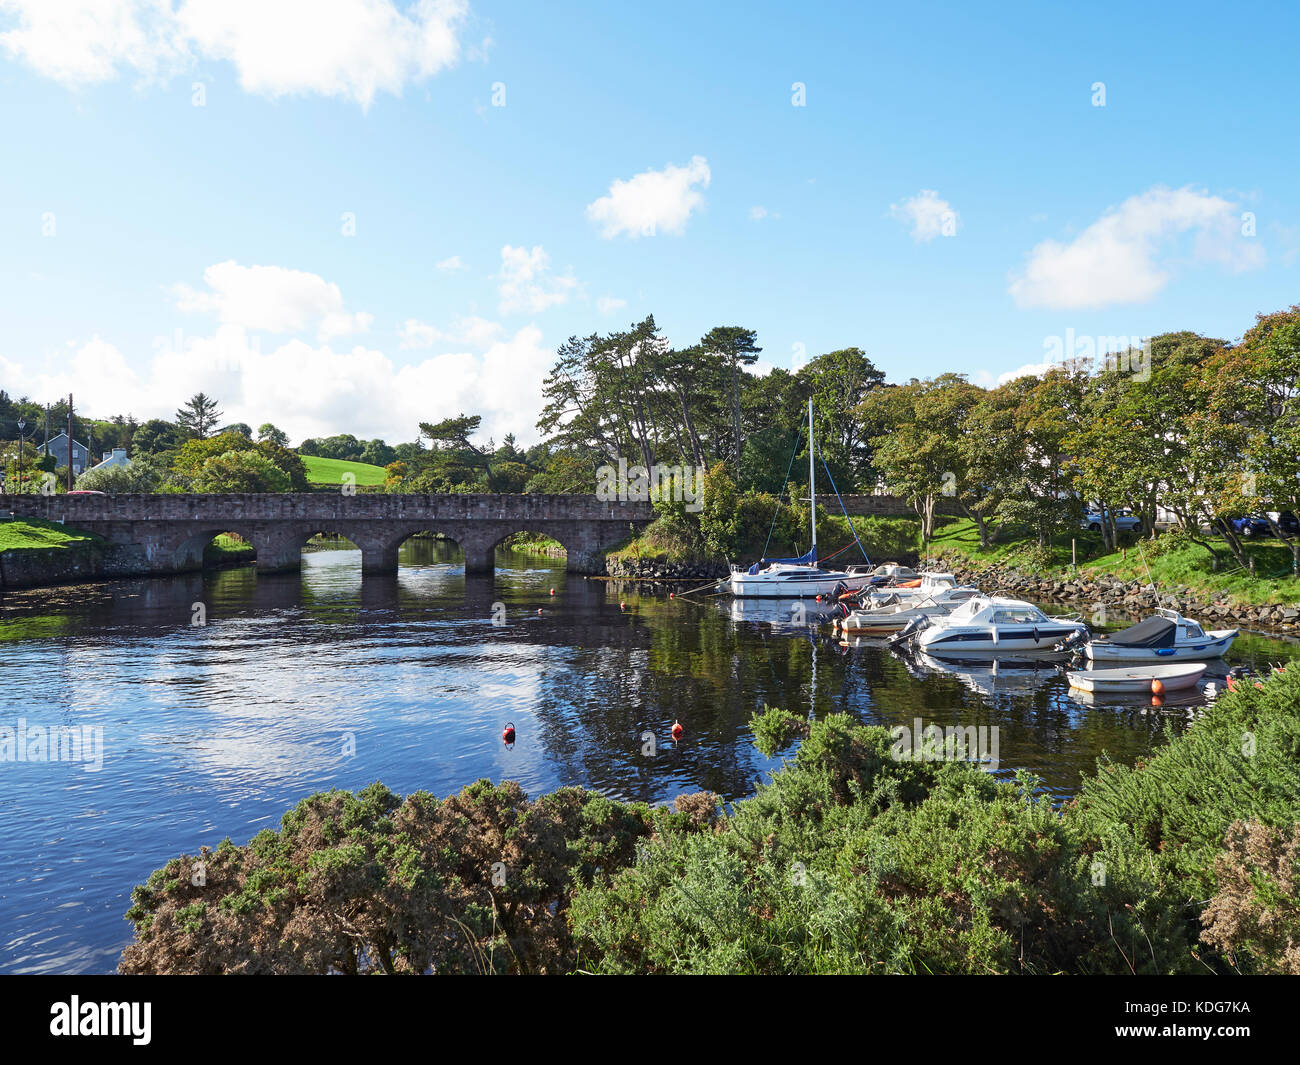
(812, 482)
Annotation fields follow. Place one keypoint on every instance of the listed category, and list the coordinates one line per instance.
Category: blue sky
(948, 197)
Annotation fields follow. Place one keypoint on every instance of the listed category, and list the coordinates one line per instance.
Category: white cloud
(476, 332)
(78, 42)
(348, 48)
(610, 304)
(651, 201)
(272, 299)
(759, 212)
(416, 334)
(526, 281)
(306, 389)
(926, 213)
(1126, 255)
(452, 263)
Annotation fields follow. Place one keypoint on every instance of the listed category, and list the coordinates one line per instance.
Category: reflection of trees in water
(605, 675)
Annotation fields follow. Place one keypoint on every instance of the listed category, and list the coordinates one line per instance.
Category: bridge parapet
(169, 531)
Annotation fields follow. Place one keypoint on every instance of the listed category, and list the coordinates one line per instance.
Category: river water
(296, 683)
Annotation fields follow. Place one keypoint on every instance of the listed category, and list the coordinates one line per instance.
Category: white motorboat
(928, 585)
(802, 577)
(891, 573)
(891, 614)
(1154, 679)
(987, 624)
(1166, 636)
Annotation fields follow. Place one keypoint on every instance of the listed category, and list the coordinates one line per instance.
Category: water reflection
(300, 682)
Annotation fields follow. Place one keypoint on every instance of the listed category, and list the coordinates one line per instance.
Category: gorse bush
(851, 860)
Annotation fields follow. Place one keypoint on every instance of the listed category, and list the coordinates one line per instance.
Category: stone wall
(167, 533)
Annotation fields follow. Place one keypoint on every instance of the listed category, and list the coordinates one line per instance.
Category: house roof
(75, 442)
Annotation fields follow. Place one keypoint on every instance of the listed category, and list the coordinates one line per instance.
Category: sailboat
(797, 578)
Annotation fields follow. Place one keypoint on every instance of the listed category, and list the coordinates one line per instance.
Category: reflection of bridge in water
(167, 533)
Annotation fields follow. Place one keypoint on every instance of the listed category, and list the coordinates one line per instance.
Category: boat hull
(792, 586)
(956, 642)
(1216, 645)
(1120, 681)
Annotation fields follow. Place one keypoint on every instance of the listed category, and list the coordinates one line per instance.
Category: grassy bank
(228, 549)
(853, 859)
(1170, 561)
(537, 544)
(332, 471)
(34, 534)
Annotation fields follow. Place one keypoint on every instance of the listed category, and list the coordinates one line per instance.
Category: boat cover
(1153, 632)
(810, 559)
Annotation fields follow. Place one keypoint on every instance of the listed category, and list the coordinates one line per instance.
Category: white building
(116, 457)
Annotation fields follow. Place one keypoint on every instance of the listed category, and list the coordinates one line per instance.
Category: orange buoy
(508, 733)
(1157, 686)
(1157, 700)
(677, 730)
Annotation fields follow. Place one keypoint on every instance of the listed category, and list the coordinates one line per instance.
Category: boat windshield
(1018, 616)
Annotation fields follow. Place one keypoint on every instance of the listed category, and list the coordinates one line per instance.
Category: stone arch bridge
(167, 533)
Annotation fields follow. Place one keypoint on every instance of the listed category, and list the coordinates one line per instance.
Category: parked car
(1249, 526)
(1125, 520)
(1287, 521)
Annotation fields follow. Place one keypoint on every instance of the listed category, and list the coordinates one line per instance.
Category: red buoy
(539, 609)
(677, 730)
(671, 596)
(508, 733)
(622, 606)
(552, 591)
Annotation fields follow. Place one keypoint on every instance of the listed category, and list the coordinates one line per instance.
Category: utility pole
(21, 425)
(69, 441)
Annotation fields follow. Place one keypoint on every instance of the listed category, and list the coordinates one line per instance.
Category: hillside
(331, 471)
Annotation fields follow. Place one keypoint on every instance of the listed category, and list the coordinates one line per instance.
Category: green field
(34, 533)
(331, 471)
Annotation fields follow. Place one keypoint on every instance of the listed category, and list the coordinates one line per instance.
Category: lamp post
(21, 425)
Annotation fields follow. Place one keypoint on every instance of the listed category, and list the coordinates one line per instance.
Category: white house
(116, 457)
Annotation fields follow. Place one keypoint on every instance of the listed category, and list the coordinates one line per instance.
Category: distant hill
(331, 471)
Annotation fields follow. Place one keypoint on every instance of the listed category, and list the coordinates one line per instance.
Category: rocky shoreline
(1126, 596)
(663, 570)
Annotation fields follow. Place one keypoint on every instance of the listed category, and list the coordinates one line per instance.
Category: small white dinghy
(1154, 679)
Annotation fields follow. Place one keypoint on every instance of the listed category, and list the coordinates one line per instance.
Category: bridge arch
(187, 551)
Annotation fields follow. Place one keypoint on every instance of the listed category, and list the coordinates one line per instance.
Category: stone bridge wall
(168, 532)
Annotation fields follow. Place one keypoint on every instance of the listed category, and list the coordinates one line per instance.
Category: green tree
(267, 431)
(199, 416)
(240, 471)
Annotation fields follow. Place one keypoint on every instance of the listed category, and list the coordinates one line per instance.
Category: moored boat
(801, 577)
(885, 616)
(1165, 636)
(988, 624)
(1138, 678)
